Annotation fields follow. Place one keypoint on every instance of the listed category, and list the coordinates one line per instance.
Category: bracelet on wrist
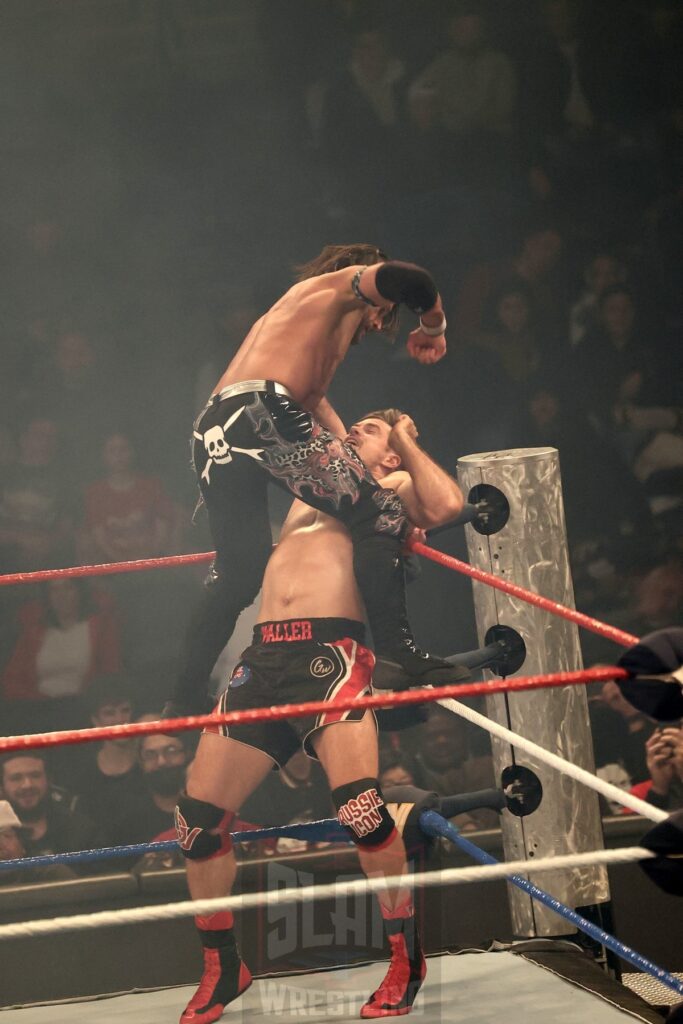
(433, 332)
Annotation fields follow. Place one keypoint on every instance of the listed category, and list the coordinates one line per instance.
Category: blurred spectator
(82, 400)
(12, 834)
(628, 388)
(362, 111)
(396, 772)
(511, 334)
(620, 733)
(297, 792)
(35, 525)
(445, 765)
(534, 265)
(148, 816)
(614, 349)
(605, 506)
(109, 772)
(66, 638)
(508, 357)
(553, 95)
(468, 92)
(601, 272)
(588, 84)
(46, 812)
(664, 788)
(128, 515)
(609, 733)
(659, 597)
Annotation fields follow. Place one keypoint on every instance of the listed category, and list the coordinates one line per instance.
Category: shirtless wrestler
(268, 419)
(309, 645)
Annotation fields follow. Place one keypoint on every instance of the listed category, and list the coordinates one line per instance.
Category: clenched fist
(425, 348)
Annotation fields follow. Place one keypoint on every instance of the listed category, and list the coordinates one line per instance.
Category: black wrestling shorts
(290, 662)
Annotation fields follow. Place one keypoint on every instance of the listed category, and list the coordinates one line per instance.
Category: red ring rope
(594, 625)
(105, 569)
(378, 700)
(110, 568)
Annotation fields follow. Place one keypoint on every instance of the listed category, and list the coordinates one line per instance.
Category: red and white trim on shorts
(220, 729)
(357, 663)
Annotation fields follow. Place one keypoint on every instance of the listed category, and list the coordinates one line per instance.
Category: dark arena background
(165, 166)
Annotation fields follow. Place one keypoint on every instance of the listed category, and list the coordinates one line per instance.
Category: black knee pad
(203, 829)
(361, 807)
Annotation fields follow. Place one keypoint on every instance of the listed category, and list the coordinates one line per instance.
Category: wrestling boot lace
(407, 970)
(402, 664)
(225, 978)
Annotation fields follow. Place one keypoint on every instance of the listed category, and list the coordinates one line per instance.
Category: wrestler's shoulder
(336, 280)
(395, 479)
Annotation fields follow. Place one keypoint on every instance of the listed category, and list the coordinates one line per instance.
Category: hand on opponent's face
(403, 428)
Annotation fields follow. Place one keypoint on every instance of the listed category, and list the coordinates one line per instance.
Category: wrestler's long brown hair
(336, 257)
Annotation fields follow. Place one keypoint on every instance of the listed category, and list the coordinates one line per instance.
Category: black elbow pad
(406, 283)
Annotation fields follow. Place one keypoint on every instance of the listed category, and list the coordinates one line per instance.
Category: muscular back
(302, 339)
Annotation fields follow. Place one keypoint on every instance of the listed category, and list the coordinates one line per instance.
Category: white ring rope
(580, 774)
(187, 908)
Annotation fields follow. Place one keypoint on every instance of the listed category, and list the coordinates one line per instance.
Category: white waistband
(242, 386)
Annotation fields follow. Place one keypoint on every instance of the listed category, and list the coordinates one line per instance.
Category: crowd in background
(529, 154)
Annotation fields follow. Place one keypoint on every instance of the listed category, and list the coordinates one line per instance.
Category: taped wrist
(203, 829)
(406, 283)
(361, 808)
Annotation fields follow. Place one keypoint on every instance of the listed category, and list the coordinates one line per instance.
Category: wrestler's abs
(310, 573)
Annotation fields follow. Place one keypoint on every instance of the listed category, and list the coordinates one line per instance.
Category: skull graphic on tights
(217, 447)
(219, 450)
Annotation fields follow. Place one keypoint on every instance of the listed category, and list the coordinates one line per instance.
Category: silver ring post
(531, 550)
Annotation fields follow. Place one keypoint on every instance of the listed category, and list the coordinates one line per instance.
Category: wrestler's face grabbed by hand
(370, 439)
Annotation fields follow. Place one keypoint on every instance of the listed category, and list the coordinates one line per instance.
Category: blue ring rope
(326, 831)
(329, 830)
(432, 824)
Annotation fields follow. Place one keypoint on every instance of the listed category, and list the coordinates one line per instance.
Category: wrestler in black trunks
(290, 662)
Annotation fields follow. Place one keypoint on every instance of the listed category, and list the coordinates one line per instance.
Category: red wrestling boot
(225, 976)
(407, 968)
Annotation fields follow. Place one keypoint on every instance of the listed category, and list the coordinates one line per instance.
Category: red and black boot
(407, 968)
(225, 976)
